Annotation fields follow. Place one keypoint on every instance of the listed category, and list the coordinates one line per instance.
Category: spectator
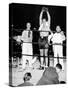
(26, 79)
(61, 73)
(50, 76)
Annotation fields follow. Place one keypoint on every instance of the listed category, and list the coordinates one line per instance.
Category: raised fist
(44, 9)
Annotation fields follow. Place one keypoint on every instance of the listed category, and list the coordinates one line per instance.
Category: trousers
(26, 54)
(58, 52)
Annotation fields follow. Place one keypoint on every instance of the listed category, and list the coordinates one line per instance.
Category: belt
(58, 43)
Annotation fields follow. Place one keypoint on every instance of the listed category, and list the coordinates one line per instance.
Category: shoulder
(41, 25)
(54, 34)
(24, 31)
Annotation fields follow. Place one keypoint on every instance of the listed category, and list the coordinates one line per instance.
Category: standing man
(57, 40)
(44, 32)
(27, 46)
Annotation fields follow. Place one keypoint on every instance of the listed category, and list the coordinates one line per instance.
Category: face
(27, 77)
(28, 25)
(57, 70)
(44, 21)
(58, 29)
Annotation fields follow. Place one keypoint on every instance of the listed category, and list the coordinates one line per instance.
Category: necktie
(29, 33)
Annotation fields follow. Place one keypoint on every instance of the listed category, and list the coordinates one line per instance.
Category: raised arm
(49, 18)
(40, 18)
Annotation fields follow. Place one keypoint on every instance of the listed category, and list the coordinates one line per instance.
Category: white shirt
(25, 37)
(62, 76)
(58, 38)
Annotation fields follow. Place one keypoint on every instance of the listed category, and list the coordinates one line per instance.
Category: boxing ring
(33, 43)
(15, 60)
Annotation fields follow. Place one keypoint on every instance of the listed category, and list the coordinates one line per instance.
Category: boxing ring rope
(20, 30)
(38, 43)
(40, 56)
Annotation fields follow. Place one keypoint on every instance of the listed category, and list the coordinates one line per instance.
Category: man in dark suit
(50, 76)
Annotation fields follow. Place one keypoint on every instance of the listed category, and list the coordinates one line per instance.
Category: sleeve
(18, 38)
(63, 37)
(23, 35)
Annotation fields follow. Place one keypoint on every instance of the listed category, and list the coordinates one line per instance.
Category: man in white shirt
(27, 45)
(61, 73)
(57, 40)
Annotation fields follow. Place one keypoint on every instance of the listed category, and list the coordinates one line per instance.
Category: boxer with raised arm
(44, 33)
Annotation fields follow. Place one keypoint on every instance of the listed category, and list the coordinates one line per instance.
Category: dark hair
(62, 82)
(27, 76)
(59, 66)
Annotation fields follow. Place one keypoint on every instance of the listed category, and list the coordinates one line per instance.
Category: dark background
(20, 14)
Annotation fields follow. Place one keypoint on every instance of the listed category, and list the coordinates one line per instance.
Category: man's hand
(62, 33)
(44, 9)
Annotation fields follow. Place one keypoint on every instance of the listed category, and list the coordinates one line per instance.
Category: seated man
(50, 76)
(61, 73)
(26, 79)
